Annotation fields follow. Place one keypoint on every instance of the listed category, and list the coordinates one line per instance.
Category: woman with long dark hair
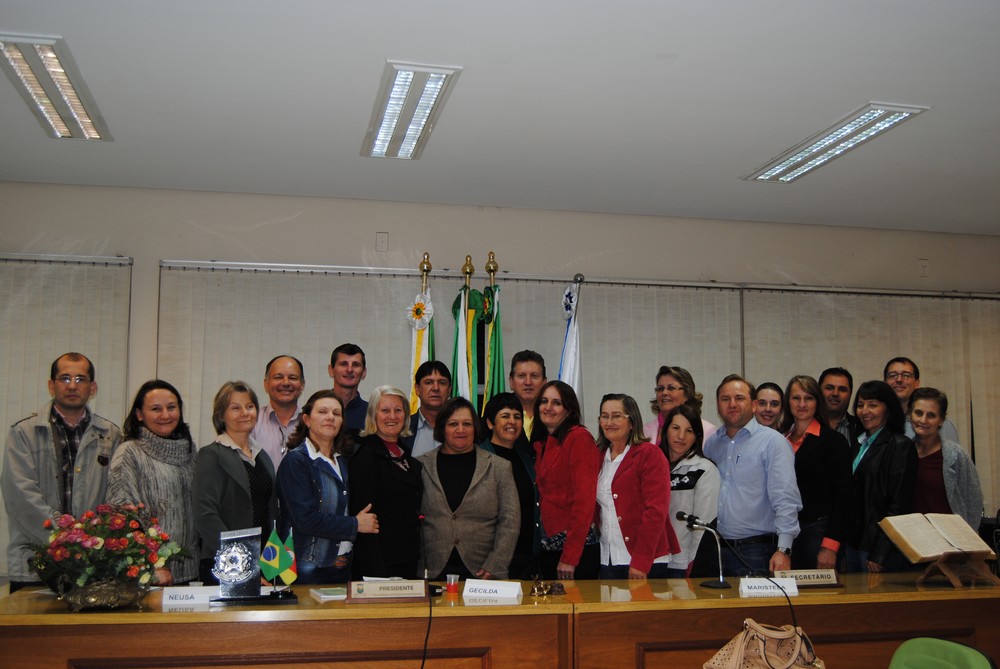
(885, 472)
(313, 491)
(694, 483)
(823, 472)
(155, 466)
(566, 467)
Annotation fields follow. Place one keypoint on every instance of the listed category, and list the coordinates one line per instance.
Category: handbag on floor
(766, 647)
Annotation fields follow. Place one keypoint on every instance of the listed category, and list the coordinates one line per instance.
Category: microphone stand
(693, 524)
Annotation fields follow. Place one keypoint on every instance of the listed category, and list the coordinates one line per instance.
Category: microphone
(434, 590)
(694, 523)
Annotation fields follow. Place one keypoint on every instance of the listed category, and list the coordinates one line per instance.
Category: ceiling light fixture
(861, 126)
(45, 75)
(409, 102)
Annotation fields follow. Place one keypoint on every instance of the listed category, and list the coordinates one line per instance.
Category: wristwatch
(786, 551)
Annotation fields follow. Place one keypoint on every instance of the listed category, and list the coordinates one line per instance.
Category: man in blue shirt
(759, 499)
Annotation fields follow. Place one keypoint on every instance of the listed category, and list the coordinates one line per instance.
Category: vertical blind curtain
(955, 342)
(49, 307)
(217, 324)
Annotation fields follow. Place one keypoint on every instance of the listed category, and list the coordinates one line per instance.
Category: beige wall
(150, 225)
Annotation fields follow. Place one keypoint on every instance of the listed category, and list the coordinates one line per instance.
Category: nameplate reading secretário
(811, 578)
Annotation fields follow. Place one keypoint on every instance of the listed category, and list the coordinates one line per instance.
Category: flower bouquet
(106, 558)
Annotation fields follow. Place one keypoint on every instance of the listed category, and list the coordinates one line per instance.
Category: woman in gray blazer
(470, 506)
(233, 476)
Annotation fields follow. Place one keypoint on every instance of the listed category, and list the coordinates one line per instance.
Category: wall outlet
(924, 267)
(382, 241)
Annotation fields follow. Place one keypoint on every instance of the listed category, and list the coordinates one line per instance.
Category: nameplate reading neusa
(482, 592)
(811, 578)
(188, 595)
(762, 587)
(386, 591)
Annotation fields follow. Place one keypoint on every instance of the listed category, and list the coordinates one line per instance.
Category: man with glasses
(903, 376)
(55, 462)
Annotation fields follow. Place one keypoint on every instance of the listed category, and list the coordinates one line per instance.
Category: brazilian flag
(271, 563)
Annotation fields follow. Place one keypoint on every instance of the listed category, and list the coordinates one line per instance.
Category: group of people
(790, 479)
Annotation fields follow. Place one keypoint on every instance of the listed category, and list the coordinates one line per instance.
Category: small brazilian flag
(270, 557)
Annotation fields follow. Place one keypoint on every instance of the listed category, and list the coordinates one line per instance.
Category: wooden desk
(679, 624)
(602, 625)
(36, 630)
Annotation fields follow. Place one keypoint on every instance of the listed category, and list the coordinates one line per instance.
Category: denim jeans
(808, 543)
(756, 555)
(308, 572)
(856, 561)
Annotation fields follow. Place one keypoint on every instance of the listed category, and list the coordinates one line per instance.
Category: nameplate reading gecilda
(369, 592)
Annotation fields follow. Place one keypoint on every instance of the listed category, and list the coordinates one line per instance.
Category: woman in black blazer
(885, 474)
(233, 476)
(823, 472)
(383, 475)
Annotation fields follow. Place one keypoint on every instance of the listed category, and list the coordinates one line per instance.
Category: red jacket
(566, 474)
(641, 491)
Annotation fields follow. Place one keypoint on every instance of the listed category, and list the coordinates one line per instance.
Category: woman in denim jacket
(313, 493)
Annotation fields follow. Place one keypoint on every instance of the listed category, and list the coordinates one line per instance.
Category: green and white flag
(495, 379)
(467, 310)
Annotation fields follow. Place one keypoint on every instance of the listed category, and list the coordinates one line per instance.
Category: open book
(924, 538)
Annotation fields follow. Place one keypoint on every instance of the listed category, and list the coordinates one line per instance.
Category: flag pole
(488, 390)
(425, 269)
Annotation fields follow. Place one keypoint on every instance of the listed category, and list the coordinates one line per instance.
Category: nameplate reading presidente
(386, 591)
(480, 588)
(763, 587)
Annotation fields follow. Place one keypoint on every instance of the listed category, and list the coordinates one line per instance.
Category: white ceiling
(656, 107)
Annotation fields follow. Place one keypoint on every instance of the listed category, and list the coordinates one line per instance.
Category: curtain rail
(56, 258)
(448, 273)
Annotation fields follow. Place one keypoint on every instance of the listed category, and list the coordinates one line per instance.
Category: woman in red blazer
(567, 463)
(633, 496)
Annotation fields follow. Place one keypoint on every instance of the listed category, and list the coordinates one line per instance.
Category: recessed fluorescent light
(409, 102)
(855, 129)
(45, 75)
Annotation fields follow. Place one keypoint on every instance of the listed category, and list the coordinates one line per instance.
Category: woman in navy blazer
(633, 496)
(313, 488)
(233, 476)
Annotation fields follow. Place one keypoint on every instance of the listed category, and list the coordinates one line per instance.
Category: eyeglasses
(79, 379)
(905, 376)
(672, 388)
(612, 418)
